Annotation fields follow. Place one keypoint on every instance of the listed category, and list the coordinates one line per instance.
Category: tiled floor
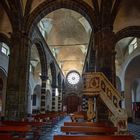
(135, 130)
(49, 132)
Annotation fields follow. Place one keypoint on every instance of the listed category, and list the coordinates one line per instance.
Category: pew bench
(20, 129)
(37, 127)
(9, 137)
(94, 137)
(49, 118)
(5, 136)
(24, 123)
(91, 124)
(87, 129)
(76, 117)
(10, 131)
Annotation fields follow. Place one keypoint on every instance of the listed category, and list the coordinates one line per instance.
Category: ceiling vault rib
(105, 12)
(115, 10)
(96, 5)
(97, 11)
(6, 8)
(28, 7)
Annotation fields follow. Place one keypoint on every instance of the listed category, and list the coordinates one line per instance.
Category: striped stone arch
(5, 39)
(49, 6)
(128, 32)
(42, 56)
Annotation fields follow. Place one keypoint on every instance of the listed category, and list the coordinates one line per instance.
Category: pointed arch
(42, 56)
(49, 6)
(127, 32)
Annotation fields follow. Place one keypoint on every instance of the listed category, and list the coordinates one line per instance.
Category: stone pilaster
(17, 89)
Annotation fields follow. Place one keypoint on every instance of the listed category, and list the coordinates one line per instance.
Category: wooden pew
(36, 126)
(21, 123)
(20, 131)
(76, 117)
(92, 124)
(87, 129)
(9, 137)
(49, 118)
(94, 137)
(5, 136)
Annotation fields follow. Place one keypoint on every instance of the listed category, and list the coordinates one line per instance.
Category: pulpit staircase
(97, 84)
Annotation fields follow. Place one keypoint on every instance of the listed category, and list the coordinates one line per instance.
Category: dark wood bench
(93, 137)
(93, 124)
(76, 117)
(20, 131)
(5, 136)
(9, 137)
(49, 118)
(87, 129)
(36, 127)
(21, 123)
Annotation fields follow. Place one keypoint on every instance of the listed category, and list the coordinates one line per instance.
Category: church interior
(70, 66)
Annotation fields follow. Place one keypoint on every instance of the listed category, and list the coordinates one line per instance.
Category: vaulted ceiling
(67, 33)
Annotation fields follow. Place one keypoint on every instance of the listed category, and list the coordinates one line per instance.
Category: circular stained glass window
(73, 77)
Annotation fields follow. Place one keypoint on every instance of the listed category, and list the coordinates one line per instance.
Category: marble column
(43, 95)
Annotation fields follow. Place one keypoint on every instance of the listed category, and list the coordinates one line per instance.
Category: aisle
(48, 134)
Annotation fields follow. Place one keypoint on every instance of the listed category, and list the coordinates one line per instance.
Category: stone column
(17, 89)
(105, 56)
(43, 95)
(60, 99)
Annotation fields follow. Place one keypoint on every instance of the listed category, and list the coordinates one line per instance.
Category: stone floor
(134, 129)
(49, 132)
